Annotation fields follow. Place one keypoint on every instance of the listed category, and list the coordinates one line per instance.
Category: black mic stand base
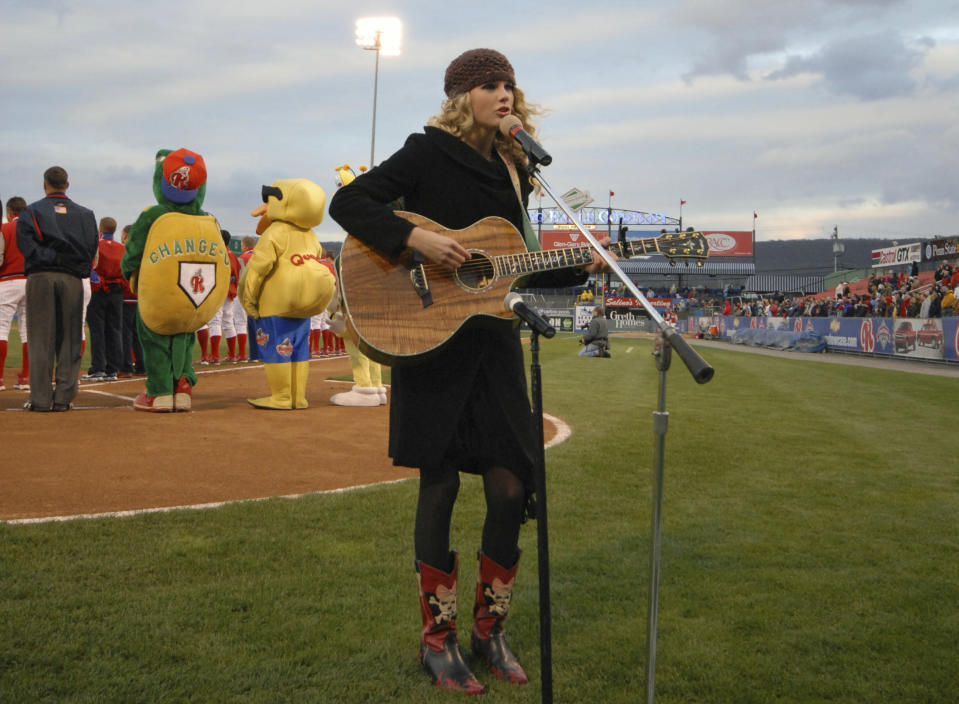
(660, 425)
(542, 534)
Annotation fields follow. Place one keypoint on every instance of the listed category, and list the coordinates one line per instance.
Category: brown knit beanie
(475, 67)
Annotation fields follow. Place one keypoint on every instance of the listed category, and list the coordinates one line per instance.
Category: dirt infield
(105, 457)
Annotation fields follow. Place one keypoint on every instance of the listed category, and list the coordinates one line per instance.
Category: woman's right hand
(438, 248)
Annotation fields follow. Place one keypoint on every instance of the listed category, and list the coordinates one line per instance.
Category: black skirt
(466, 409)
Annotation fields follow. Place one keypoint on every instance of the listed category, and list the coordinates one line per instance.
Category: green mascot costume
(178, 265)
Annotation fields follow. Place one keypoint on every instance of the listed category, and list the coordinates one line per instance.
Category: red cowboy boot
(440, 652)
(494, 590)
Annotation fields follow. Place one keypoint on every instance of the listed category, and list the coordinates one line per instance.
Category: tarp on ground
(802, 341)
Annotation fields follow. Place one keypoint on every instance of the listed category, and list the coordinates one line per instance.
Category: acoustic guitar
(405, 308)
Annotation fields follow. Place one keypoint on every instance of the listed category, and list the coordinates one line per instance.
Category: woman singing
(465, 408)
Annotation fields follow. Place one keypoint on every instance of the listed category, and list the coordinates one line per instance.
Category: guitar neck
(567, 257)
(543, 260)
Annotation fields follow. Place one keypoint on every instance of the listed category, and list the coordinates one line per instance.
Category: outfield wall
(934, 339)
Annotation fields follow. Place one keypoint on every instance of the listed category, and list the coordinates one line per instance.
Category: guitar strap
(529, 237)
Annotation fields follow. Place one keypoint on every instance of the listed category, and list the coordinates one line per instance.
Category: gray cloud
(871, 67)
(726, 36)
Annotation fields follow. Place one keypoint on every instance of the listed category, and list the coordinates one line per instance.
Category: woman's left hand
(599, 265)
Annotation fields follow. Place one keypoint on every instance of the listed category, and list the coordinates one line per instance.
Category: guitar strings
(479, 264)
(476, 265)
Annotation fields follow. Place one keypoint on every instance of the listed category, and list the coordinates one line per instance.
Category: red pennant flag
(611, 194)
(682, 202)
(754, 215)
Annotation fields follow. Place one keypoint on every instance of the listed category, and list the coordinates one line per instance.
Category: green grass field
(810, 554)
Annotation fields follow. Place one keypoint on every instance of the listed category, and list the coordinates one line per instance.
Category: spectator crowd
(888, 296)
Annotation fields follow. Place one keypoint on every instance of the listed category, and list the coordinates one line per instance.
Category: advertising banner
(950, 338)
(729, 243)
(560, 318)
(941, 249)
(901, 254)
(620, 319)
(571, 237)
(659, 304)
(583, 315)
(725, 243)
(629, 320)
(914, 338)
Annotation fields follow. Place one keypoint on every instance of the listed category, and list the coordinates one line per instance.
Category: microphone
(514, 302)
(511, 126)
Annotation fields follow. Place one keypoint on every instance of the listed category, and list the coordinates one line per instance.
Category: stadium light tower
(382, 35)
(838, 249)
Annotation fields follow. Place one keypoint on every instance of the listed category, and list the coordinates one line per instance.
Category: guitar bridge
(418, 279)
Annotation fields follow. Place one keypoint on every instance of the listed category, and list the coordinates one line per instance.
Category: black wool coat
(467, 406)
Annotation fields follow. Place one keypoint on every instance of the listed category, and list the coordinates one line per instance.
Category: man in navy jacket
(58, 239)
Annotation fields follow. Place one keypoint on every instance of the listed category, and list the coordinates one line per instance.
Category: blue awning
(661, 265)
(785, 283)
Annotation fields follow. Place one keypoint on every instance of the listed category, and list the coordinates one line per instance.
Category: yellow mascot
(284, 283)
(368, 389)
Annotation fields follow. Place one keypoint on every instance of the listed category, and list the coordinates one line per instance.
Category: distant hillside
(814, 256)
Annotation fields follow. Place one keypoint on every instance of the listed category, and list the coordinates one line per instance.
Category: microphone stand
(701, 371)
(542, 534)
(539, 325)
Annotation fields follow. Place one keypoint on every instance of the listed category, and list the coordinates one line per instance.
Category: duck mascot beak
(260, 212)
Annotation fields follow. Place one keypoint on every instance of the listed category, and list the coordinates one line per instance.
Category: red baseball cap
(183, 174)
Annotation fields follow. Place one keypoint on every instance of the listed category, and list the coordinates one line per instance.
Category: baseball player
(13, 292)
(222, 324)
(248, 332)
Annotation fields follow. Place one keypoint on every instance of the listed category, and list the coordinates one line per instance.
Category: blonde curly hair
(456, 117)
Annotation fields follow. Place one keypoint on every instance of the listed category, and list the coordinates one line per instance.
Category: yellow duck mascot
(284, 284)
(368, 389)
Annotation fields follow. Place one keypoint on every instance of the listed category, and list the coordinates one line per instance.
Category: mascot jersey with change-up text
(284, 283)
(177, 263)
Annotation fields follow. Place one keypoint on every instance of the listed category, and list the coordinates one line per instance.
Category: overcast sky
(811, 113)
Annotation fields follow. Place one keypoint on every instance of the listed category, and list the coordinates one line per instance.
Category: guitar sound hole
(477, 273)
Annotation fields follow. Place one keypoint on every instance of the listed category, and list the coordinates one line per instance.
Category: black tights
(505, 504)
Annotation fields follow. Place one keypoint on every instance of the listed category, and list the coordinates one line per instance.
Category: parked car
(930, 335)
(904, 338)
